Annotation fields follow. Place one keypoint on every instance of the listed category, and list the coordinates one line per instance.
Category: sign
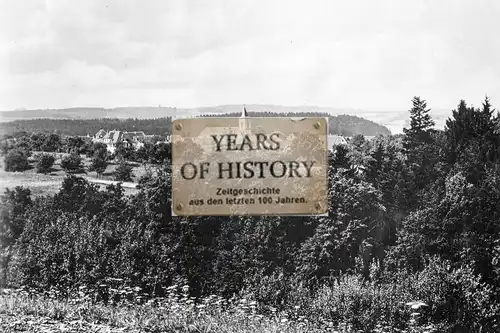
(249, 166)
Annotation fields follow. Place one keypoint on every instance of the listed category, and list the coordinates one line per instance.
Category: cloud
(365, 54)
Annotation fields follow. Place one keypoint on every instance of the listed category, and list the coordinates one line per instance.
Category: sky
(189, 53)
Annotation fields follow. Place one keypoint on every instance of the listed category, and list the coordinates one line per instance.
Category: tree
(419, 150)
(13, 205)
(420, 124)
(340, 158)
(162, 153)
(75, 142)
(44, 163)
(16, 160)
(95, 146)
(123, 172)
(99, 161)
(358, 141)
(72, 162)
(145, 153)
(472, 142)
(125, 152)
(52, 143)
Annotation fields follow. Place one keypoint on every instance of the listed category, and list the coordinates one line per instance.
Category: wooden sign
(249, 166)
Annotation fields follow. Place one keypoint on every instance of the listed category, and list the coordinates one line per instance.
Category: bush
(457, 296)
(16, 160)
(123, 172)
(44, 163)
(72, 162)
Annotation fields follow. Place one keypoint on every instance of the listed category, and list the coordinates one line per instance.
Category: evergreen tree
(420, 124)
(472, 142)
(419, 151)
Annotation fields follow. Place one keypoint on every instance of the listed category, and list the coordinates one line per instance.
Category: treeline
(413, 217)
(343, 125)
(82, 127)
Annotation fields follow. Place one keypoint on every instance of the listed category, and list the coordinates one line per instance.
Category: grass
(169, 314)
(128, 309)
(41, 184)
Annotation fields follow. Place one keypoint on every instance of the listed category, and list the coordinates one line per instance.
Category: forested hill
(342, 124)
(159, 126)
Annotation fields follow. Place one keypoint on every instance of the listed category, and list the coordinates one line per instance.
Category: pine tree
(420, 124)
(419, 149)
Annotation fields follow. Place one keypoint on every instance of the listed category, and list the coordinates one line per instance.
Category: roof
(113, 136)
(134, 135)
(335, 140)
(100, 134)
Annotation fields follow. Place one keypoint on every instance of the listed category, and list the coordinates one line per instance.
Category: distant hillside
(394, 120)
(342, 124)
(157, 120)
(89, 113)
(159, 112)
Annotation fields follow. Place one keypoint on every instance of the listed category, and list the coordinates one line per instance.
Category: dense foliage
(72, 162)
(123, 172)
(343, 125)
(16, 160)
(100, 158)
(44, 163)
(413, 217)
(82, 127)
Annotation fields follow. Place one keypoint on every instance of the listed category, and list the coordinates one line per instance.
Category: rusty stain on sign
(249, 166)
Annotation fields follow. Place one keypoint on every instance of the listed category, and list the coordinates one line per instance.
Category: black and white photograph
(250, 166)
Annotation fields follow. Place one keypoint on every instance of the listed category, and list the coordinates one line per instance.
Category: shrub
(16, 160)
(72, 162)
(44, 163)
(361, 304)
(457, 296)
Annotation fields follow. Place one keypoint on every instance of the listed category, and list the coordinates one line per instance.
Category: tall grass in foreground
(128, 308)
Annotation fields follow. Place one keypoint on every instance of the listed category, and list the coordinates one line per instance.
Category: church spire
(244, 113)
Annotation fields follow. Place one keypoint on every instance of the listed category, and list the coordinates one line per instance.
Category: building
(113, 138)
(336, 140)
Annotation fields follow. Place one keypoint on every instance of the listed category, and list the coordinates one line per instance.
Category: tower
(244, 122)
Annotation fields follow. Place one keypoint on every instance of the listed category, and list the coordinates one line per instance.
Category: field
(41, 184)
(25, 311)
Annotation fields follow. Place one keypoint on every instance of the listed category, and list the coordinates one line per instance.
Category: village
(135, 139)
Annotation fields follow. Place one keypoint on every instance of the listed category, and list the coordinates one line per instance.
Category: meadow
(41, 184)
(130, 310)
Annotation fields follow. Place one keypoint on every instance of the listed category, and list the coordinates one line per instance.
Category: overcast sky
(359, 54)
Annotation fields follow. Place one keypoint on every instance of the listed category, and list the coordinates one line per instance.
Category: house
(111, 139)
(336, 140)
